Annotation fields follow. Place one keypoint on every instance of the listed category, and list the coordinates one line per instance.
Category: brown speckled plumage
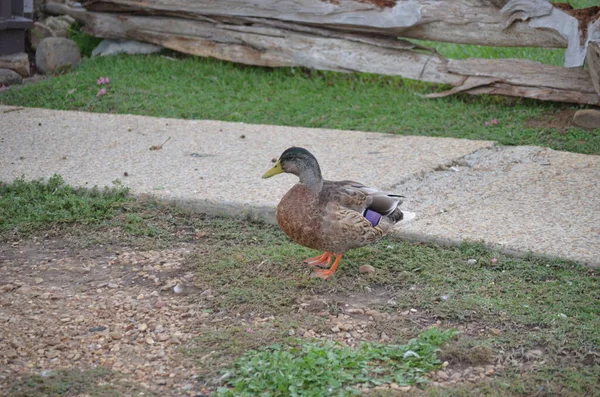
(328, 215)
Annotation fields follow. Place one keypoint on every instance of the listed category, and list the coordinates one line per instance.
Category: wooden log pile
(371, 36)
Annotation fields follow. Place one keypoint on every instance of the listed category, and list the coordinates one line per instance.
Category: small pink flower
(106, 80)
(487, 123)
(249, 330)
(103, 80)
(494, 260)
(101, 92)
(495, 121)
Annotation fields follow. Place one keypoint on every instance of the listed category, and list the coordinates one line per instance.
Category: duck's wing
(363, 199)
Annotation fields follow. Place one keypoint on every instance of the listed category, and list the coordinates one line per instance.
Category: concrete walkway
(521, 199)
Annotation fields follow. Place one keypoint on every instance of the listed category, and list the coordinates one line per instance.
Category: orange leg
(326, 273)
(321, 260)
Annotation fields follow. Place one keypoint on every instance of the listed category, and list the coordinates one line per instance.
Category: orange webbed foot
(326, 273)
(321, 260)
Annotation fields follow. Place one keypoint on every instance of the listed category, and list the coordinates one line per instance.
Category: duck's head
(297, 161)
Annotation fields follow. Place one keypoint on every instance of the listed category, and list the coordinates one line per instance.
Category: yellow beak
(273, 171)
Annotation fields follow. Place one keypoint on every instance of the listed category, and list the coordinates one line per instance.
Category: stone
(355, 311)
(130, 47)
(366, 269)
(56, 55)
(37, 33)
(587, 118)
(346, 326)
(159, 304)
(10, 353)
(442, 375)
(116, 335)
(98, 329)
(18, 62)
(7, 288)
(142, 327)
(59, 26)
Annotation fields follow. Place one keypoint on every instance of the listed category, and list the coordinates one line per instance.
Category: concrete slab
(522, 199)
(215, 161)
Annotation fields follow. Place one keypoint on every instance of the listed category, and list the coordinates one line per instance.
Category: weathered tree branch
(468, 21)
(281, 43)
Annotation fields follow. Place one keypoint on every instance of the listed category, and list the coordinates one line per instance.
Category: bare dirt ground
(561, 120)
(63, 307)
(141, 316)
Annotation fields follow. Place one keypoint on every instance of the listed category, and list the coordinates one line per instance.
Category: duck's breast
(300, 217)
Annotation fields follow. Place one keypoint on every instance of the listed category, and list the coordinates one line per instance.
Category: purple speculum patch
(373, 217)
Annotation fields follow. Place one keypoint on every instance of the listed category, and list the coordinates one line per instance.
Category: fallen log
(506, 23)
(278, 43)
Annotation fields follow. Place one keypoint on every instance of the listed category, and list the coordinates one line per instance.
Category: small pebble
(163, 337)
(97, 329)
(366, 269)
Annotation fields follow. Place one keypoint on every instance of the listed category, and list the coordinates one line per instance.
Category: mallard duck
(330, 216)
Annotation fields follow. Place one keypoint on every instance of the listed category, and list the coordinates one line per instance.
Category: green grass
(27, 205)
(326, 368)
(85, 42)
(551, 380)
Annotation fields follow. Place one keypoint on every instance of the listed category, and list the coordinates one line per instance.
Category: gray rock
(114, 47)
(587, 118)
(9, 77)
(59, 25)
(57, 54)
(37, 33)
(18, 62)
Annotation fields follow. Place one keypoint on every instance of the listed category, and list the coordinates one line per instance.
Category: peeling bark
(467, 21)
(578, 27)
(593, 59)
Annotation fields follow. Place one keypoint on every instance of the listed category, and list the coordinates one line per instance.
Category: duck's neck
(311, 177)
